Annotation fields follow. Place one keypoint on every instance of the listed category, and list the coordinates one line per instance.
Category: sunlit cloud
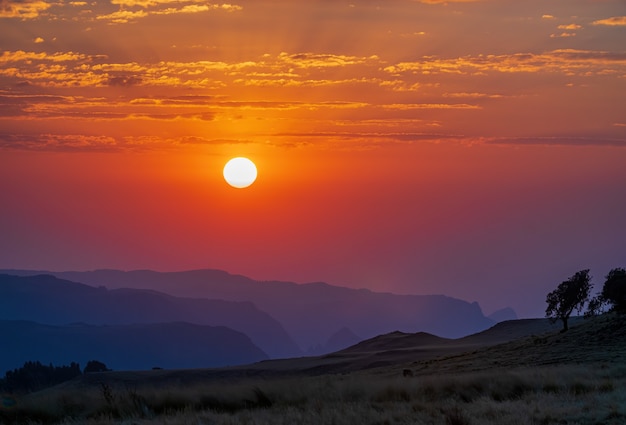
(411, 106)
(473, 95)
(283, 70)
(316, 60)
(559, 61)
(563, 35)
(612, 22)
(22, 56)
(58, 142)
(22, 9)
(446, 1)
(547, 17)
(555, 141)
(123, 15)
(38, 40)
(569, 27)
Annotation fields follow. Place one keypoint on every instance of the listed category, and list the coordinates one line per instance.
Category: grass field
(578, 377)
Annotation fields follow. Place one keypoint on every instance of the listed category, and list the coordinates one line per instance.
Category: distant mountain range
(283, 319)
(311, 313)
(50, 300)
(126, 347)
(503, 314)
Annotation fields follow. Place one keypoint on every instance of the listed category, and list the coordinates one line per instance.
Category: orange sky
(471, 148)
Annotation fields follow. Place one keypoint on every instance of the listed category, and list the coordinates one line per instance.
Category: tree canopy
(614, 290)
(569, 295)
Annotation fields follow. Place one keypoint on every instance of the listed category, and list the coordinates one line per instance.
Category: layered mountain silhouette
(50, 300)
(503, 314)
(311, 313)
(126, 347)
(341, 339)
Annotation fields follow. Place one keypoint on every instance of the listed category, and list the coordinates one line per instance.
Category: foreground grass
(574, 394)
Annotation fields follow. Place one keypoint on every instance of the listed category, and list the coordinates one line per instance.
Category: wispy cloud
(22, 9)
(446, 1)
(296, 70)
(556, 141)
(563, 35)
(152, 7)
(615, 21)
(559, 61)
(412, 106)
(569, 27)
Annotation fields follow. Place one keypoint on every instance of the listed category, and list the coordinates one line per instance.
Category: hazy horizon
(473, 149)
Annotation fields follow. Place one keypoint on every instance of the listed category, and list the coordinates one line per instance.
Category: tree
(34, 376)
(95, 366)
(614, 290)
(569, 295)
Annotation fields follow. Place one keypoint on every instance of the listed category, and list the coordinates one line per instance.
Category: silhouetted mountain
(126, 347)
(48, 299)
(341, 339)
(394, 341)
(311, 312)
(503, 314)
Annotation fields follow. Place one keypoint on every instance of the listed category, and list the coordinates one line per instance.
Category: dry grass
(576, 378)
(591, 394)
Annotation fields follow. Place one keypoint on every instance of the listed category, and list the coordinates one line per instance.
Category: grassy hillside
(578, 377)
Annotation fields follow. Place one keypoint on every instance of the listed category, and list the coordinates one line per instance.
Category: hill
(531, 343)
(312, 312)
(573, 377)
(50, 300)
(126, 347)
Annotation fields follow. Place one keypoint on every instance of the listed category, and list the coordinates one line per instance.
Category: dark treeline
(34, 376)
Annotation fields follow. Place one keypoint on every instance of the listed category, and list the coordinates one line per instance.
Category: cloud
(473, 95)
(566, 61)
(446, 1)
(151, 7)
(615, 21)
(569, 27)
(124, 81)
(411, 106)
(556, 141)
(317, 60)
(22, 56)
(547, 17)
(22, 9)
(47, 142)
(58, 142)
(563, 35)
(123, 16)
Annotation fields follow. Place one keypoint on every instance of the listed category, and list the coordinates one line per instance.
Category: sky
(475, 149)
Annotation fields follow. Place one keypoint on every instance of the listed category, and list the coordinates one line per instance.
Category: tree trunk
(565, 327)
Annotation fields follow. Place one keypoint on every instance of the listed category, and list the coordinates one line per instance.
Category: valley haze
(282, 319)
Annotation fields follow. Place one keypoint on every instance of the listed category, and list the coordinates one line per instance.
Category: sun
(240, 172)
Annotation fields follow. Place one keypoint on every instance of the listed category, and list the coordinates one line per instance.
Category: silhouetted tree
(569, 295)
(614, 290)
(34, 376)
(95, 366)
(612, 296)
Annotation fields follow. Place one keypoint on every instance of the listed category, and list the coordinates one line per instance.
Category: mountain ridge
(173, 345)
(51, 300)
(310, 312)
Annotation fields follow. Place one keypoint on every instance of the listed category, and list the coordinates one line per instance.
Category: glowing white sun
(240, 172)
